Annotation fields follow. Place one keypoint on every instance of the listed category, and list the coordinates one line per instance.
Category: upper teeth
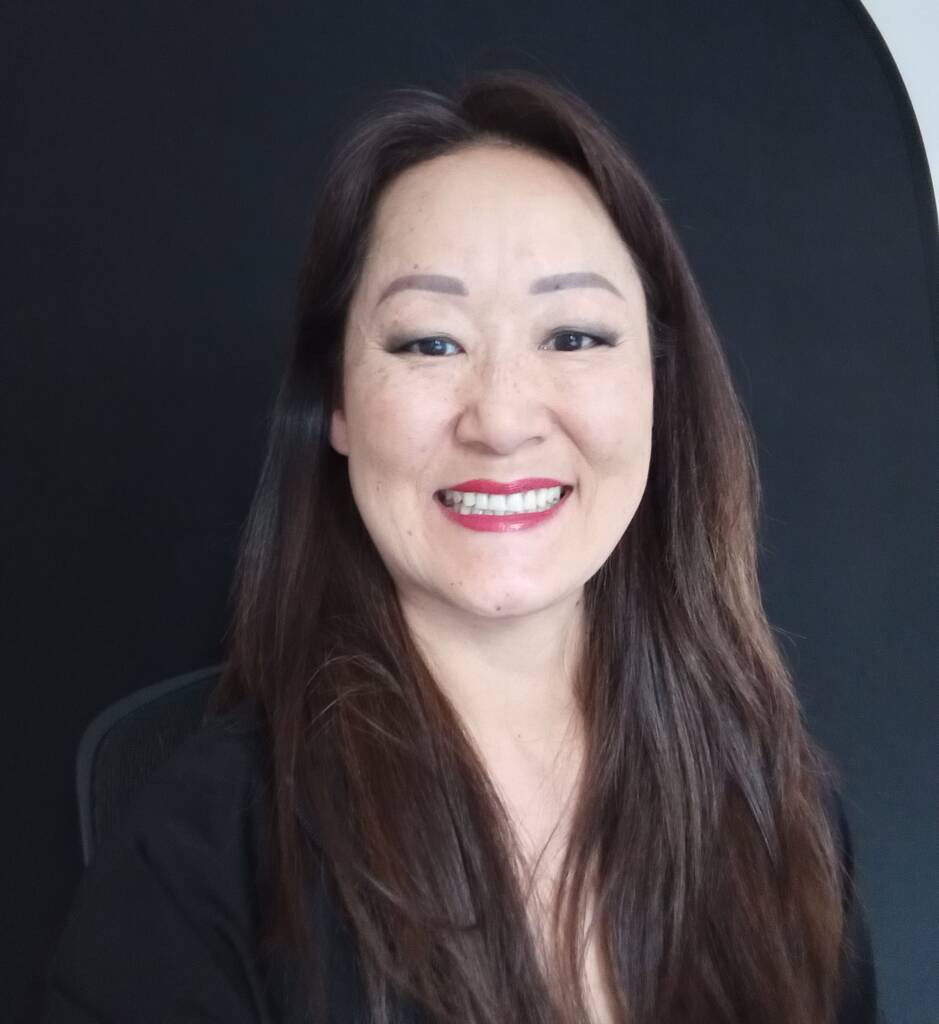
(478, 503)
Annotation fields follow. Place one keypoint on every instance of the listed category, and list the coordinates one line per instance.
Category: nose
(505, 402)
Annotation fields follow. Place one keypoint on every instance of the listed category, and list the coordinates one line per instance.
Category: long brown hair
(700, 827)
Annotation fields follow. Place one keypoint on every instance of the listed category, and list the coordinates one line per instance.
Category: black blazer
(164, 925)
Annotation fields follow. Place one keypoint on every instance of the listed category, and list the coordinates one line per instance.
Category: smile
(481, 511)
(482, 503)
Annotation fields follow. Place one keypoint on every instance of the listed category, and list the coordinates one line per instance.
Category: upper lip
(528, 483)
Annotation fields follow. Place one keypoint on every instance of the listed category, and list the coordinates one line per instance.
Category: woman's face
(483, 258)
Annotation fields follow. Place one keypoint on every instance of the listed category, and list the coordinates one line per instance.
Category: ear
(338, 432)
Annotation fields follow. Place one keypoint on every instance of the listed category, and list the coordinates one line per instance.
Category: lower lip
(501, 524)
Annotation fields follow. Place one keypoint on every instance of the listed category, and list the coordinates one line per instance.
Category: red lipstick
(511, 522)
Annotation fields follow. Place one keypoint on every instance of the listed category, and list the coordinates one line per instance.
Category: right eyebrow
(425, 282)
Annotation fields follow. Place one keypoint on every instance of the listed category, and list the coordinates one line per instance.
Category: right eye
(434, 341)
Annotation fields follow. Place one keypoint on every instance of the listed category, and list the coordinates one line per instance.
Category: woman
(504, 734)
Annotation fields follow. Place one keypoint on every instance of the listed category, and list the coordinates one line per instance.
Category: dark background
(157, 166)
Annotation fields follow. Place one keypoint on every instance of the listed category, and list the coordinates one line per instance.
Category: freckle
(410, 533)
(498, 607)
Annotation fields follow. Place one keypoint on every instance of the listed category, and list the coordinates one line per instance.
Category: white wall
(911, 31)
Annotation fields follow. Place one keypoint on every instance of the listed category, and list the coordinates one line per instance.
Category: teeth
(470, 503)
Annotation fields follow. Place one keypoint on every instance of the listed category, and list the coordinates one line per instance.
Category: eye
(565, 336)
(435, 342)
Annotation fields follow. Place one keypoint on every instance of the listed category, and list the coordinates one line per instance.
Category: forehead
(493, 214)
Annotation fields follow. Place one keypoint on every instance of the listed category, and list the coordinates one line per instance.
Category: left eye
(565, 337)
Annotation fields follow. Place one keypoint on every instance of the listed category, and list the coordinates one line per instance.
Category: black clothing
(163, 928)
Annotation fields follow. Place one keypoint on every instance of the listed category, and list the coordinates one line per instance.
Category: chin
(507, 601)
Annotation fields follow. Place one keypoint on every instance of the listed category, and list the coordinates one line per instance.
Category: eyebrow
(454, 286)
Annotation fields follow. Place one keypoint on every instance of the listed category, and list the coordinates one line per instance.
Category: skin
(498, 615)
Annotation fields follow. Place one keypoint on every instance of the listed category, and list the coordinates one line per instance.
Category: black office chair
(128, 741)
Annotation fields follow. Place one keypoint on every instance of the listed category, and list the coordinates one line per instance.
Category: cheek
(394, 427)
(615, 415)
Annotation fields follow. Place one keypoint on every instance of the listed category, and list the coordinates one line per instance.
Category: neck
(510, 679)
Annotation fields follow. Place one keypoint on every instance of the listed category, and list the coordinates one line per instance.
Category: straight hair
(700, 830)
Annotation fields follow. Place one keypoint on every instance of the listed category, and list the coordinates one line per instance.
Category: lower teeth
(486, 512)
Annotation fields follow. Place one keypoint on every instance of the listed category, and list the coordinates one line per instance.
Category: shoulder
(213, 781)
(165, 921)
(202, 813)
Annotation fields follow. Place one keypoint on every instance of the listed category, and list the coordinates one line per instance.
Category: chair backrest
(127, 741)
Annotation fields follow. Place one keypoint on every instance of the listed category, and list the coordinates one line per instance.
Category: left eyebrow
(575, 279)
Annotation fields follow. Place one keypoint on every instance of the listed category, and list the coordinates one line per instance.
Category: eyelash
(603, 339)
